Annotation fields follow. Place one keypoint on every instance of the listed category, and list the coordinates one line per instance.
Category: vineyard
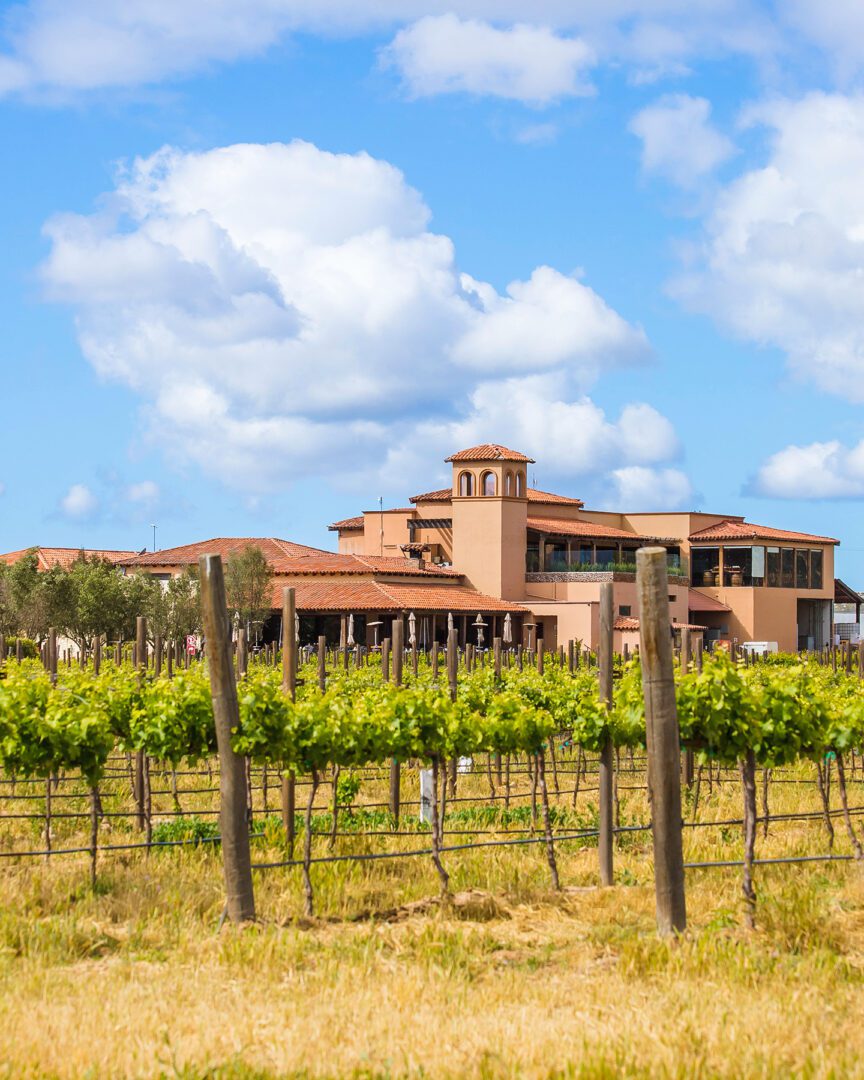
(512, 746)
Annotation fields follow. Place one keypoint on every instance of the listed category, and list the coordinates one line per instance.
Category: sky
(264, 263)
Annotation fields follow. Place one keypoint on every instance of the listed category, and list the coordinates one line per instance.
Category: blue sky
(263, 263)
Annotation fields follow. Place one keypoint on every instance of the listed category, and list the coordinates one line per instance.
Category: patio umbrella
(412, 629)
(296, 628)
(449, 621)
(508, 629)
(479, 624)
(350, 631)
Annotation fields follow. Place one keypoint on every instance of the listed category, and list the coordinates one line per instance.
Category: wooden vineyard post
(687, 757)
(605, 838)
(226, 713)
(97, 655)
(452, 681)
(385, 660)
(322, 663)
(242, 653)
(661, 723)
(289, 687)
(141, 660)
(398, 654)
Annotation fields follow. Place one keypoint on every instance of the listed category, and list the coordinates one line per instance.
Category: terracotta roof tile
(488, 452)
(64, 557)
(746, 530)
(700, 601)
(627, 622)
(588, 529)
(273, 548)
(366, 595)
(347, 523)
(534, 496)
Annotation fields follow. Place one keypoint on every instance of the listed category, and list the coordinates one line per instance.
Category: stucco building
(549, 554)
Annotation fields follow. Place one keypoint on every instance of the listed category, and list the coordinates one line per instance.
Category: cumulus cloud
(639, 487)
(80, 45)
(782, 262)
(820, 470)
(285, 309)
(79, 502)
(445, 54)
(678, 139)
(145, 493)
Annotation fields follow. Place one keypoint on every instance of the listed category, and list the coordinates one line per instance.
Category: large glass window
(787, 568)
(606, 555)
(705, 563)
(532, 557)
(816, 568)
(556, 556)
(743, 566)
(773, 567)
(802, 569)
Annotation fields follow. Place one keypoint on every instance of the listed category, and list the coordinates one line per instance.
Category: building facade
(735, 581)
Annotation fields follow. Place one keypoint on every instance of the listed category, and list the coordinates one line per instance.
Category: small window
(466, 484)
(624, 609)
(487, 484)
(671, 598)
(520, 485)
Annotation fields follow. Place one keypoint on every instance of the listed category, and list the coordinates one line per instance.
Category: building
(47, 557)
(331, 587)
(847, 613)
(549, 553)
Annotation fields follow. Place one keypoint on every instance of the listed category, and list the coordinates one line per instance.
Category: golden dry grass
(135, 980)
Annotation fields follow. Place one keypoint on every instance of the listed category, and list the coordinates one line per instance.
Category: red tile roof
(368, 595)
(627, 622)
(534, 496)
(488, 452)
(700, 601)
(361, 564)
(746, 530)
(186, 554)
(587, 529)
(64, 557)
(346, 524)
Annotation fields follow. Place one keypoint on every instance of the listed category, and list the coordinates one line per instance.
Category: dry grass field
(136, 979)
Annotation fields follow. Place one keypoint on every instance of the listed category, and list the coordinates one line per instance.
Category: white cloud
(63, 46)
(144, 493)
(638, 487)
(678, 139)
(281, 308)
(821, 470)
(79, 502)
(445, 54)
(783, 257)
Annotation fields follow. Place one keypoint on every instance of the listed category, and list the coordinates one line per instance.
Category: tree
(24, 600)
(173, 608)
(93, 599)
(247, 585)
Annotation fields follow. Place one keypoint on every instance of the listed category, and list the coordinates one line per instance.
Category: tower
(490, 511)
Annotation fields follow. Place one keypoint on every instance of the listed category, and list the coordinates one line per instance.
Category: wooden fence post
(232, 774)
(687, 764)
(398, 655)
(141, 662)
(661, 722)
(289, 687)
(604, 669)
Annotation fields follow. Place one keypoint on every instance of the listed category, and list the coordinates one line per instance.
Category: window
(743, 566)
(816, 568)
(466, 484)
(705, 563)
(624, 609)
(556, 556)
(520, 485)
(671, 598)
(532, 558)
(508, 483)
(802, 569)
(773, 567)
(487, 484)
(787, 568)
